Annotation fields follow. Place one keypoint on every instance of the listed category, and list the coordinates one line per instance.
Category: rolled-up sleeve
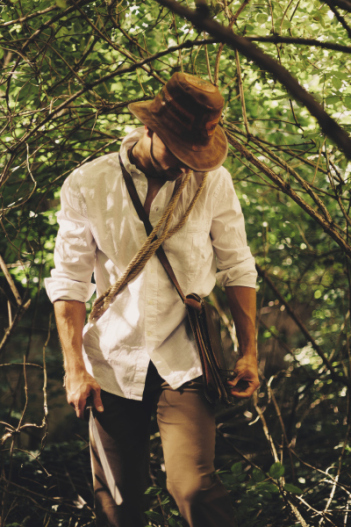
(235, 263)
(75, 249)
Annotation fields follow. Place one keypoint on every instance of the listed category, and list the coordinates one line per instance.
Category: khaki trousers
(187, 427)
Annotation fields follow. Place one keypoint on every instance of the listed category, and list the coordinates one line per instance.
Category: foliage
(69, 70)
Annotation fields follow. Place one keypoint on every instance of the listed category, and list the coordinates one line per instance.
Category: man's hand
(78, 388)
(70, 317)
(246, 372)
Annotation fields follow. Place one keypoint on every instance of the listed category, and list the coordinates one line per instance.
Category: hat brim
(208, 158)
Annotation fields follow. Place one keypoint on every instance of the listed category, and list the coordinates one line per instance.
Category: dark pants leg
(124, 429)
(187, 427)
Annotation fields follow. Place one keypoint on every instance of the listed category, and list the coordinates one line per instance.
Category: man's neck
(139, 156)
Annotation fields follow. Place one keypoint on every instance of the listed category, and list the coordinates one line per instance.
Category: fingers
(78, 391)
(244, 393)
(97, 400)
(244, 385)
(79, 406)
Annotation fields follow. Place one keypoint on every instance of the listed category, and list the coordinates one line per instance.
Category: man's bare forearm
(70, 318)
(242, 303)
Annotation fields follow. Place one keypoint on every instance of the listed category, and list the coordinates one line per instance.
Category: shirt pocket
(100, 336)
(187, 249)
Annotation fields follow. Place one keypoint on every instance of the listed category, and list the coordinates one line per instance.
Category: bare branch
(25, 19)
(343, 4)
(338, 16)
(329, 126)
(277, 39)
(302, 327)
(20, 312)
(286, 188)
(10, 281)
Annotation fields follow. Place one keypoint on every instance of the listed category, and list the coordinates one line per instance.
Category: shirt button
(148, 333)
(156, 209)
(150, 302)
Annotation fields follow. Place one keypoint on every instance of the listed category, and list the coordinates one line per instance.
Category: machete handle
(89, 406)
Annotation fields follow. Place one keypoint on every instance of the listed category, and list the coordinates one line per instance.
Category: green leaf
(241, 477)
(237, 468)
(229, 480)
(333, 99)
(172, 522)
(289, 487)
(61, 3)
(258, 475)
(153, 491)
(277, 470)
(286, 24)
(262, 18)
(336, 83)
(154, 516)
(267, 486)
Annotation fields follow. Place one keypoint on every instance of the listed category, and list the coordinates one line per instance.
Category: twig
(241, 91)
(25, 19)
(265, 429)
(277, 39)
(19, 313)
(286, 188)
(11, 283)
(45, 383)
(14, 364)
(88, 87)
(302, 327)
(279, 415)
(329, 126)
(338, 16)
(232, 21)
(343, 4)
(208, 64)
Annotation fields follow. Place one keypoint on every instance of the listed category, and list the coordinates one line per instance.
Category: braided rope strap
(149, 247)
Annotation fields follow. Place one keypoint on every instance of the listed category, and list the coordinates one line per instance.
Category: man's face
(165, 164)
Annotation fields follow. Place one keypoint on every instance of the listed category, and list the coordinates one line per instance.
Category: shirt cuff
(65, 289)
(239, 275)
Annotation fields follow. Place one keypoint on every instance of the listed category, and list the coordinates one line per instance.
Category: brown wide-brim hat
(185, 115)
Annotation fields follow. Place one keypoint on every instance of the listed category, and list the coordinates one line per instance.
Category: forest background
(69, 70)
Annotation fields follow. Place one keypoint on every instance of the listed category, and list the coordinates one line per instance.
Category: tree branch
(87, 87)
(223, 34)
(277, 39)
(286, 188)
(343, 4)
(10, 281)
(338, 16)
(24, 19)
(303, 329)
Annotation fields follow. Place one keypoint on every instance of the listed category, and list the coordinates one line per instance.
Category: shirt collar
(129, 140)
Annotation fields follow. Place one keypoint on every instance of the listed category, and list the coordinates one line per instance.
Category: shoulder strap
(148, 227)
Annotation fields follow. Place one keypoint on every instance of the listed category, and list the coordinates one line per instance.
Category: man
(140, 352)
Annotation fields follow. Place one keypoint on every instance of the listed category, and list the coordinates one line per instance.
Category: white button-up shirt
(100, 231)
